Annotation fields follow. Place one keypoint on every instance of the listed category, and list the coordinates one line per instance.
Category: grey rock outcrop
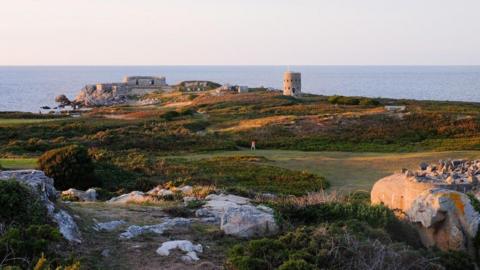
(151, 196)
(91, 95)
(237, 216)
(134, 230)
(84, 196)
(108, 226)
(43, 187)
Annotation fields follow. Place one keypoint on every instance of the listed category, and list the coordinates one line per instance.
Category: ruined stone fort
(134, 85)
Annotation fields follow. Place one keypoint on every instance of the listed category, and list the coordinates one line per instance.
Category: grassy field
(346, 171)
(12, 122)
(27, 163)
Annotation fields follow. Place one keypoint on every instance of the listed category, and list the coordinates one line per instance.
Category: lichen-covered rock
(448, 219)
(44, 188)
(434, 199)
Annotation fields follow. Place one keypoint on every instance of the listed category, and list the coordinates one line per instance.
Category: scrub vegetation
(201, 139)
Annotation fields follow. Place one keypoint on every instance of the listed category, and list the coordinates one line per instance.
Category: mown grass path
(344, 170)
(18, 163)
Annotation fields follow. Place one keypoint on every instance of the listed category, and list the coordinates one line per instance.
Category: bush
(21, 246)
(376, 216)
(19, 206)
(369, 102)
(328, 247)
(296, 265)
(143, 184)
(341, 100)
(70, 167)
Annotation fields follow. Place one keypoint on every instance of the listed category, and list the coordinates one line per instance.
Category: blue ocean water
(29, 88)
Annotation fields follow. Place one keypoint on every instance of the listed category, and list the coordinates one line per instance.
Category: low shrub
(143, 184)
(22, 245)
(369, 102)
(70, 167)
(195, 204)
(19, 206)
(376, 216)
(327, 247)
(341, 100)
(178, 211)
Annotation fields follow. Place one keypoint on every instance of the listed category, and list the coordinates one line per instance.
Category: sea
(27, 88)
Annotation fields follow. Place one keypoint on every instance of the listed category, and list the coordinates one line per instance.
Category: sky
(240, 32)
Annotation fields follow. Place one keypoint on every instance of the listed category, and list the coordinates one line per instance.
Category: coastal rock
(91, 95)
(84, 196)
(134, 231)
(183, 245)
(43, 187)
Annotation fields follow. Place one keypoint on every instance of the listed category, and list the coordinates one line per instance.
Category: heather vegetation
(124, 148)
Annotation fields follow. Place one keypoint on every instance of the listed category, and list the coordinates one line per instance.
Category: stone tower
(292, 83)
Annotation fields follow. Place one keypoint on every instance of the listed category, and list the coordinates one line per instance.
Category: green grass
(344, 170)
(16, 164)
(11, 122)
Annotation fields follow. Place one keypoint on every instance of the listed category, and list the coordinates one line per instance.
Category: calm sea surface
(29, 88)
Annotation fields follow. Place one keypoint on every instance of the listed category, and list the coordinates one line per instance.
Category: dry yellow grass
(259, 122)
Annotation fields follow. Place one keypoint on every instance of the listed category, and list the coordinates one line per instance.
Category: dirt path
(105, 250)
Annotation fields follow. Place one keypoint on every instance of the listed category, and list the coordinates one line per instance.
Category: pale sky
(239, 32)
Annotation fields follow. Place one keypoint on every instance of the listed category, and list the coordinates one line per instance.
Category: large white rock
(216, 205)
(237, 216)
(248, 221)
(134, 231)
(448, 219)
(183, 245)
(43, 187)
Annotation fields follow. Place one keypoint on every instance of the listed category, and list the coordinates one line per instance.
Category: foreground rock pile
(435, 199)
(448, 172)
(234, 214)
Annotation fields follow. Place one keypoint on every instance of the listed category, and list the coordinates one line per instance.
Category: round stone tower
(292, 83)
